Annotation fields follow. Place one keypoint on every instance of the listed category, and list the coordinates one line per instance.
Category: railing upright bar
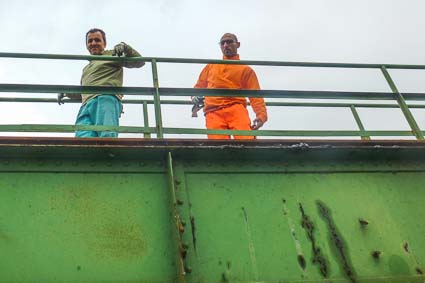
(358, 121)
(403, 105)
(146, 118)
(157, 101)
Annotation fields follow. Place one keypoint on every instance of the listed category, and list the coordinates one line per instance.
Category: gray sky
(361, 31)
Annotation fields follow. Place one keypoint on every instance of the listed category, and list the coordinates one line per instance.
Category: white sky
(361, 31)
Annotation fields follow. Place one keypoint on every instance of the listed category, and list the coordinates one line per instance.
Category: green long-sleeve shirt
(107, 73)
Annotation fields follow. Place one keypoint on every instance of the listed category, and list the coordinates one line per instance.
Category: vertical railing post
(403, 105)
(157, 101)
(359, 122)
(146, 118)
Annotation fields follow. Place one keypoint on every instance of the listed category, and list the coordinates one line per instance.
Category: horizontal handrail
(187, 92)
(214, 61)
(186, 102)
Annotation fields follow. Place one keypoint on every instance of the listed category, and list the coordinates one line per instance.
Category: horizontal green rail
(187, 92)
(214, 61)
(190, 131)
(184, 102)
(297, 94)
(156, 92)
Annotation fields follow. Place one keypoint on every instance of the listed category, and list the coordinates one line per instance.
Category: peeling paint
(337, 242)
(376, 254)
(406, 247)
(300, 256)
(318, 257)
(363, 223)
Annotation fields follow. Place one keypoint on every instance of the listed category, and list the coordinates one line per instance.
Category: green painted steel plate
(85, 227)
(207, 211)
(249, 226)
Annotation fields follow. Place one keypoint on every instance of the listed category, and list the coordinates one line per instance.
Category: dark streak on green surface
(363, 223)
(193, 226)
(337, 241)
(301, 261)
(245, 216)
(318, 257)
(406, 247)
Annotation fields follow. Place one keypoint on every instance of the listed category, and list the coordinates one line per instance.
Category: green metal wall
(125, 211)
(84, 227)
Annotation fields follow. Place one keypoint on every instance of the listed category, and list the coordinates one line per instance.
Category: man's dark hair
(93, 30)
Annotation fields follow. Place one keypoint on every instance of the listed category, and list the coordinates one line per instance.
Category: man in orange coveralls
(230, 113)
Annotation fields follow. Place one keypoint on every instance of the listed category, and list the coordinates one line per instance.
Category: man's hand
(198, 100)
(60, 98)
(120, 49)
(256, 124)
(198, 104)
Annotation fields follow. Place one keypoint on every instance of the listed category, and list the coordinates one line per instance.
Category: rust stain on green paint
(117, 240)
(3, 236)
(110, 230)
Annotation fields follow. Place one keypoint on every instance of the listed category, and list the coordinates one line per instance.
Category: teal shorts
(103, 110)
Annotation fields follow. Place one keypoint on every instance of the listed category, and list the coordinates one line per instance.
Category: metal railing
(158, 93)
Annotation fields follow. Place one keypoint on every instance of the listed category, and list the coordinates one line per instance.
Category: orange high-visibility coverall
(230, 113)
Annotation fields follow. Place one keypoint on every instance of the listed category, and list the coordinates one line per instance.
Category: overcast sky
(361, 31)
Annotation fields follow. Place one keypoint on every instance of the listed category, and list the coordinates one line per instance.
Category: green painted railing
(400, 100)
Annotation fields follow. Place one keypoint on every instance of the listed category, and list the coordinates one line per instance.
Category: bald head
(229, 35)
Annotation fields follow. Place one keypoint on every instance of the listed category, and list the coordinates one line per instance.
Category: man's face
(95, 43)
(229, 45)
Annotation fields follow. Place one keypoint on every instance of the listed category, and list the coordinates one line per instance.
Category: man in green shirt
(102, 109)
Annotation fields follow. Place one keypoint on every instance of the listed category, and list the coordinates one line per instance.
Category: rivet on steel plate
(183, 253)
(181, 228)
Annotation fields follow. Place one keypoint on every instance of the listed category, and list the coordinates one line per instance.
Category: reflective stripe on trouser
(234, 117)
(103, 110)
